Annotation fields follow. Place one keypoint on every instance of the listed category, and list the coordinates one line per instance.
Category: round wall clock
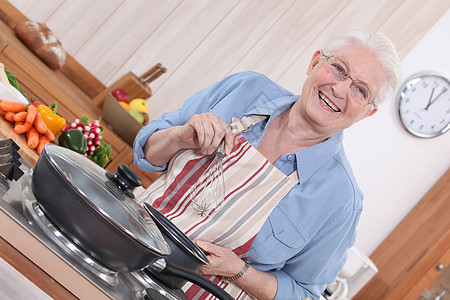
(424, 104)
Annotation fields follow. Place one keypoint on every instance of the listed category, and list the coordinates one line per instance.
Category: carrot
(31, 114)
(50, 135)
(42, 141)
(13, 106)
(20, 116)
(9, 116)
(2, 112)
(33, 138)
(22, 128)
(40, 124)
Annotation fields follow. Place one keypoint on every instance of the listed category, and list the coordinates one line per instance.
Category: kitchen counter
(33, 245)
(21, 248)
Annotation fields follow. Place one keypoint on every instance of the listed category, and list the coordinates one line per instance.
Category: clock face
(424, 105)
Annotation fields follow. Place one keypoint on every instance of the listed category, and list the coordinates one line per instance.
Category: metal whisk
(208, 193)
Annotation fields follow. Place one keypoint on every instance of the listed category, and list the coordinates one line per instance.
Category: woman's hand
(205, 132)
(223, 262)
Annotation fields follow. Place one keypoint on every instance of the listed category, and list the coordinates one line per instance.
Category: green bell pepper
(73, 139)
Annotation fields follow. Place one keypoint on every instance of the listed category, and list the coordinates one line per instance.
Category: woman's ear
(314, 61)
(374, 110)
(369, 113)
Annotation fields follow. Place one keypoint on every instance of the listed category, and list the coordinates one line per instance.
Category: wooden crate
(136, 87)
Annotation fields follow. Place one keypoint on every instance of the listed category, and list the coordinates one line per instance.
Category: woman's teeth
(328, 103)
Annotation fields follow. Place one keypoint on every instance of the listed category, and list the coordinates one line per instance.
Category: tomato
(35, 103)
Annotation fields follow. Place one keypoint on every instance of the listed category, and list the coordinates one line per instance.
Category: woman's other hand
(223, 262)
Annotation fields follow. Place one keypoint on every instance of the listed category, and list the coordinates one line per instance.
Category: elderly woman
(289, 237)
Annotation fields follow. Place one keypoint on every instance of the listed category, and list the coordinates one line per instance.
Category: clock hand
(434, 100)
(429, 100)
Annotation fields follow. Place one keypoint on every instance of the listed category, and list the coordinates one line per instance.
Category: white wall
(396, 169)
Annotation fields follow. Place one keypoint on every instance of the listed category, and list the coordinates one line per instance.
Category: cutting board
(7, 131)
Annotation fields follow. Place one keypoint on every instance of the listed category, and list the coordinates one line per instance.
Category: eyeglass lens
(340, 71)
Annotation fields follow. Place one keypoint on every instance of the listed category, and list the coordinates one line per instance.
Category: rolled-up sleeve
(198, 103)
(141, 139)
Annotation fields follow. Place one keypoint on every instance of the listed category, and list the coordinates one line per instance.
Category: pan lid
(97, 187)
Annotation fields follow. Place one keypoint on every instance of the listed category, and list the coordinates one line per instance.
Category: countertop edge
(45, 259)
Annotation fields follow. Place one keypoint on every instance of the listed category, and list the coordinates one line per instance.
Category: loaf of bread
(41, 40)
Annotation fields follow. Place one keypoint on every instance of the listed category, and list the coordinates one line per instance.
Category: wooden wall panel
(202, 43)
(359, 14)
(411, 21)
(86, 17)
(228, 43)
(37, 10)
(124, 32)
(289, 37)
(177, 38)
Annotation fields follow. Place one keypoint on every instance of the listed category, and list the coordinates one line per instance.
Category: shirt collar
(310, 159)
(313, 158)
(274, 107)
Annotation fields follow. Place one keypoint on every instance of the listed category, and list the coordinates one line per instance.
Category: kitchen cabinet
(73, 87)
(15, 283)
(35, 274)
(436, 279)
(412, 256)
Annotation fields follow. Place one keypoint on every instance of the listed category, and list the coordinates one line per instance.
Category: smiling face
(327, 104)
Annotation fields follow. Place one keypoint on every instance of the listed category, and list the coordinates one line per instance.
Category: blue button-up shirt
(305, 239)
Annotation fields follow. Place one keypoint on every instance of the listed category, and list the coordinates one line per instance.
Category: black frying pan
(98, 212)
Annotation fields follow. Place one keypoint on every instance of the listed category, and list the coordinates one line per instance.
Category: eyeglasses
(360, 92)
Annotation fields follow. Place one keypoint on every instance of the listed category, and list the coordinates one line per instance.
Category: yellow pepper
(54, 122)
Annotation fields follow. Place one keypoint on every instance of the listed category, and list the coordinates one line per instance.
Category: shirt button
(290, 157)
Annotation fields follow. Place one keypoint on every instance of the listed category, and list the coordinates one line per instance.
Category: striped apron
(253, 187)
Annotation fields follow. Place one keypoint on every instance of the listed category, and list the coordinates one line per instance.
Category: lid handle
(125, 179)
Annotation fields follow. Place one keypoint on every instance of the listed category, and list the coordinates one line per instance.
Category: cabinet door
(435, 281)
(424, 273)
(15, 285)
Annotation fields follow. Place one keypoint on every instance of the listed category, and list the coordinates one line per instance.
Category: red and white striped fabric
(253, 187)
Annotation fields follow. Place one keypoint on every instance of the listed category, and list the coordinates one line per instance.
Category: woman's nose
(342, 87)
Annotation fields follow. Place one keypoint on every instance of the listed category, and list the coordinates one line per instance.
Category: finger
(210, 130)
(212, 249)
(230, 140)
(219, 128)
(206, 270)
(214, 129)
(197, 124)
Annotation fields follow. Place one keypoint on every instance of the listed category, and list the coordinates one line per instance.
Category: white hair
(383, 48)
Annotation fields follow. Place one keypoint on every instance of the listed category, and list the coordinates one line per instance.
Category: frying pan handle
(172, 269)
